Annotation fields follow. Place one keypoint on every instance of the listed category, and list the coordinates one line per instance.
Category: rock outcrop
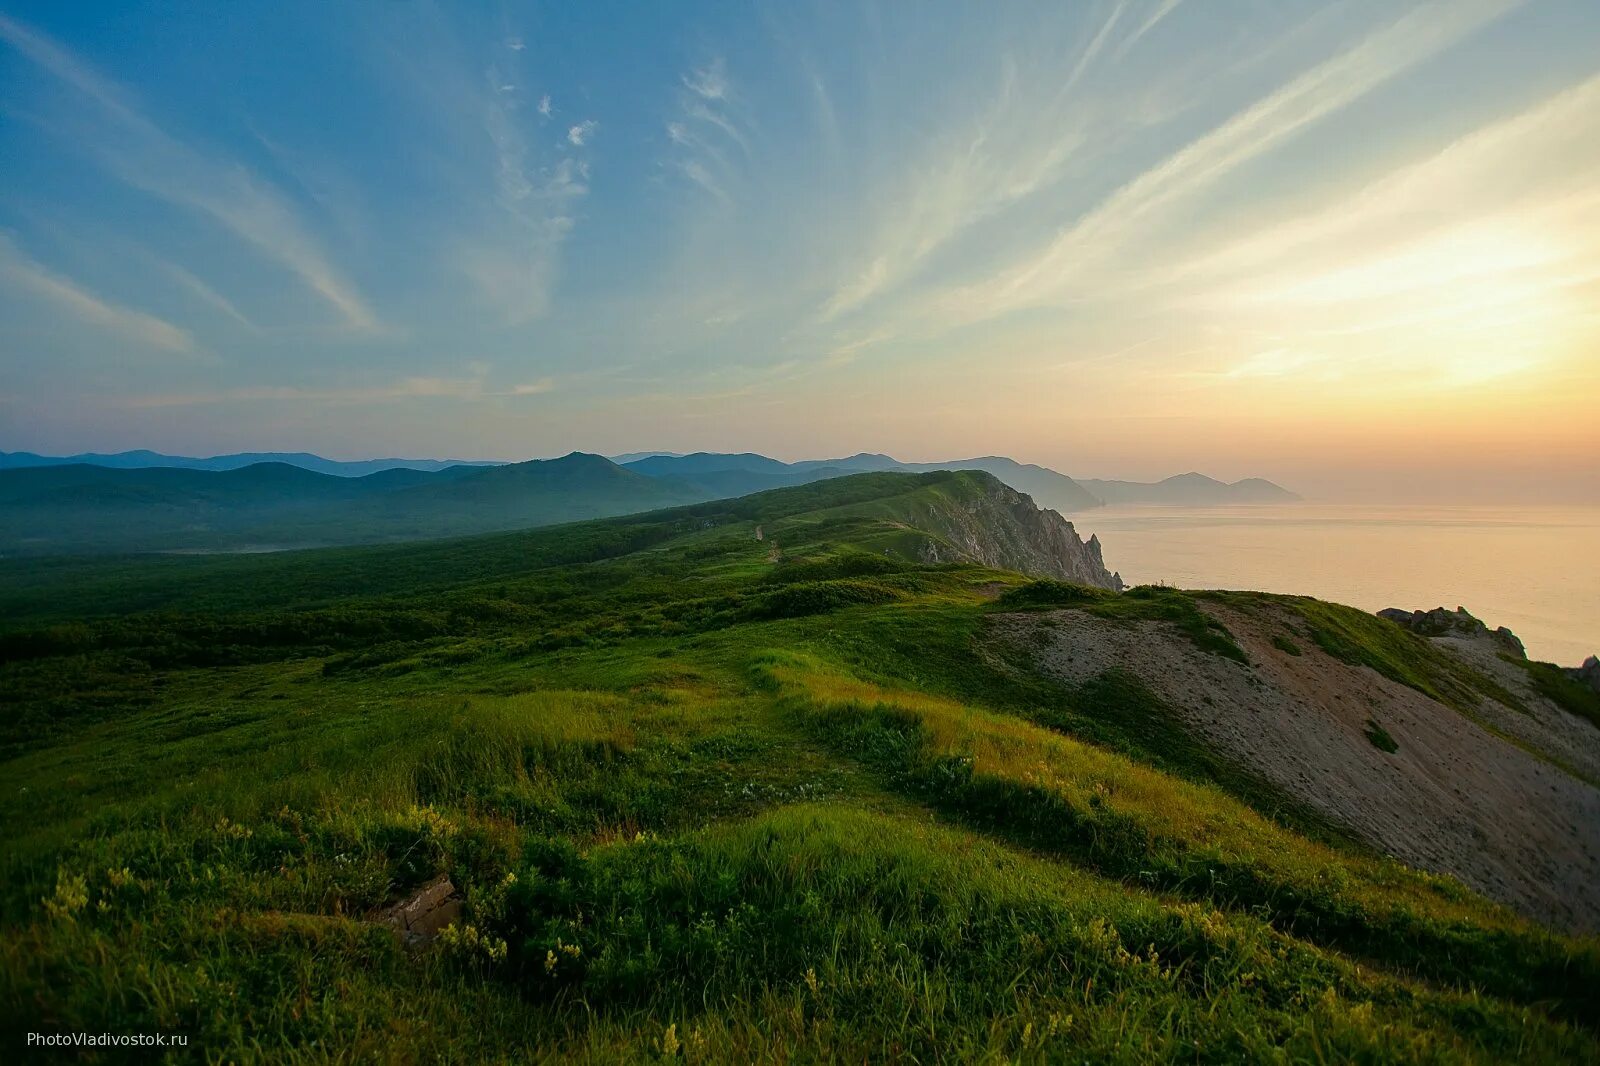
(426, 912)
(997, 526)
(1588, 673)
(1457, 623)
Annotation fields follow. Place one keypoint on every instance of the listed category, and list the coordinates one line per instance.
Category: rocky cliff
(1457, 623)
(976, 518)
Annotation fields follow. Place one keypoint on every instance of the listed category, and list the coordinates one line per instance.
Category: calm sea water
(1532, 569)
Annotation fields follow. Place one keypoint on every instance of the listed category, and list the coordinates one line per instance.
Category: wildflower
(811, 980)
(468, 942)
(669, 1041)
(70, 897)
(550, 962)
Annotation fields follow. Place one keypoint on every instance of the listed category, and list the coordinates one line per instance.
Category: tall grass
(1035, 787)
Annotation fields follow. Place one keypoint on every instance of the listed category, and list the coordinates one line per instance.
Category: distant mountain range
(141, 459)
(80, 508)
(144, 501)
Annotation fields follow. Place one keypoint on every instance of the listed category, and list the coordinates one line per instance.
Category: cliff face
(993, 524)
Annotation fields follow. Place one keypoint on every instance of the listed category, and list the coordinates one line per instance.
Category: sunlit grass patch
(1027, 784)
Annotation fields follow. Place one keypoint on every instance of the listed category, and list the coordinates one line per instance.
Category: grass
(1380, 738)
(1552, 682)
(702, 805)
(1139, 604)
(1363, 639)
(1111, 814)
(1285, 645)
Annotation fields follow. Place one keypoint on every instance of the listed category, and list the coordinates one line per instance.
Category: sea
(1535, 570)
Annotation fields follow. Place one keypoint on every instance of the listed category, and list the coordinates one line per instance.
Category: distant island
(1191, 489)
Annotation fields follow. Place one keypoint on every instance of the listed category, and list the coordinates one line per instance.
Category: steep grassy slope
(705, 799)
(1439, 764)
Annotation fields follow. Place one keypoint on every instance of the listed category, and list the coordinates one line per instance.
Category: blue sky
(1123, 238)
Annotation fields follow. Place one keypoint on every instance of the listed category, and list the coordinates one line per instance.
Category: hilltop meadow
(743, 781)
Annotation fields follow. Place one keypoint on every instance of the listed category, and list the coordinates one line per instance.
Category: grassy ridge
(1110, 814)
(704, 801)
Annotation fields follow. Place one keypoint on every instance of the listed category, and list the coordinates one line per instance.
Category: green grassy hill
(707, 797)
(737, 474)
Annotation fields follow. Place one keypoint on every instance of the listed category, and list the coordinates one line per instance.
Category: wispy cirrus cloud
(107, 125)
(513, 254)
(1155, 17)
(707, 141)
(404, 389)
(1028, 125)
(1463, 264)
(709, 82)
(1083, 249)
(129, 324)
(206, 294)
(1473, 176)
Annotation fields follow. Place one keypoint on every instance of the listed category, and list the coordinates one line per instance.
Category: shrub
(1047, 593)
(815, 597)
(1380, 737)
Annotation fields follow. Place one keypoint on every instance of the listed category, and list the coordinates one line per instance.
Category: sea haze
(1529, 568)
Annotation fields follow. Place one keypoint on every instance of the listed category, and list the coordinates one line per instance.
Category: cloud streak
(1126, 215)
(1015, 146)
(143, 155)
(515, 261)
(131, 325)
(403, 389)
(704, 129)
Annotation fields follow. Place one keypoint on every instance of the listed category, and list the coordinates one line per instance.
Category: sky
(1353, 247)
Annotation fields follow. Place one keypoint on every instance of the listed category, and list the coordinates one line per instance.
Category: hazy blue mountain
(81, 508)
(1191, 489)
(143, 459)
(577, 485)
(855, 464)
(633, 457)
(734, 474)
(662, 464)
